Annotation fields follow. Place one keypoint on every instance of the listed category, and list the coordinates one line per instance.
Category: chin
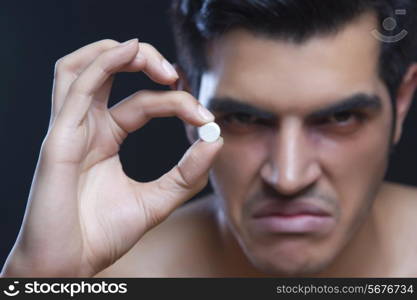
(287, 262)
(288, 268)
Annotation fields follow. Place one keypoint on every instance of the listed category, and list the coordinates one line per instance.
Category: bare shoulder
(399, 204)
(399, 214)
(179, 246)
(403, 195)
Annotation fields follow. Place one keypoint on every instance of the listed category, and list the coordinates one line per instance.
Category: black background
(34, 34)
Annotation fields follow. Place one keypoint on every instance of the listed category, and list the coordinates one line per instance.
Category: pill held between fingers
(209, 132)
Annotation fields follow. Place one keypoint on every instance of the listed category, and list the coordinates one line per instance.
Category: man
(310, 97)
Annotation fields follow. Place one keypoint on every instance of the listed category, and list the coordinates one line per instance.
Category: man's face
(307, 135)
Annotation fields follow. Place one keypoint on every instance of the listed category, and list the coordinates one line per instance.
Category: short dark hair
(195, 22)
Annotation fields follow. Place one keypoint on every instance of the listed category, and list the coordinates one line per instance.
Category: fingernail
(128, 42)
(169, 69)
(205, 113)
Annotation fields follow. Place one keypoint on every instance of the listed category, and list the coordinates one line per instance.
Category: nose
(292, 164)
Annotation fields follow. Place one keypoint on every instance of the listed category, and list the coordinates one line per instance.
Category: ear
(182, 84)
(404, 98)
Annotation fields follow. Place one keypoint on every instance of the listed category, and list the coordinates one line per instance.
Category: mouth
(292, 218)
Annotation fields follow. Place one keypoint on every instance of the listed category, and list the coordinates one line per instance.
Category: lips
(290, 209)
(292, 217)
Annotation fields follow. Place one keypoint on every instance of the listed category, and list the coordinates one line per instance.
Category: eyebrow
(359, 101)
(228, 105)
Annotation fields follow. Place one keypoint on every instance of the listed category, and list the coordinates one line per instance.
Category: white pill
(209, 132)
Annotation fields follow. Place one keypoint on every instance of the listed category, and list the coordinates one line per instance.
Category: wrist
(18, 265)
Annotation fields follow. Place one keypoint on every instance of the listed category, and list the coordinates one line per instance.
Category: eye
(342, 117)
(341, 122)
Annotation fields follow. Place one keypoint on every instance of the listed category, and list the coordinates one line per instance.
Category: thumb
(187, 178)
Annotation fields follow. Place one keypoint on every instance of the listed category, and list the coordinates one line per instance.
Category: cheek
(235, 172)
(355, 168)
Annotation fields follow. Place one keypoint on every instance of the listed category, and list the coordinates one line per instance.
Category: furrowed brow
(230, 105)
(359, 101)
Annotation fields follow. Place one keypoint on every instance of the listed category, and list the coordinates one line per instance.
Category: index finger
(69, 68)
(92, 81)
